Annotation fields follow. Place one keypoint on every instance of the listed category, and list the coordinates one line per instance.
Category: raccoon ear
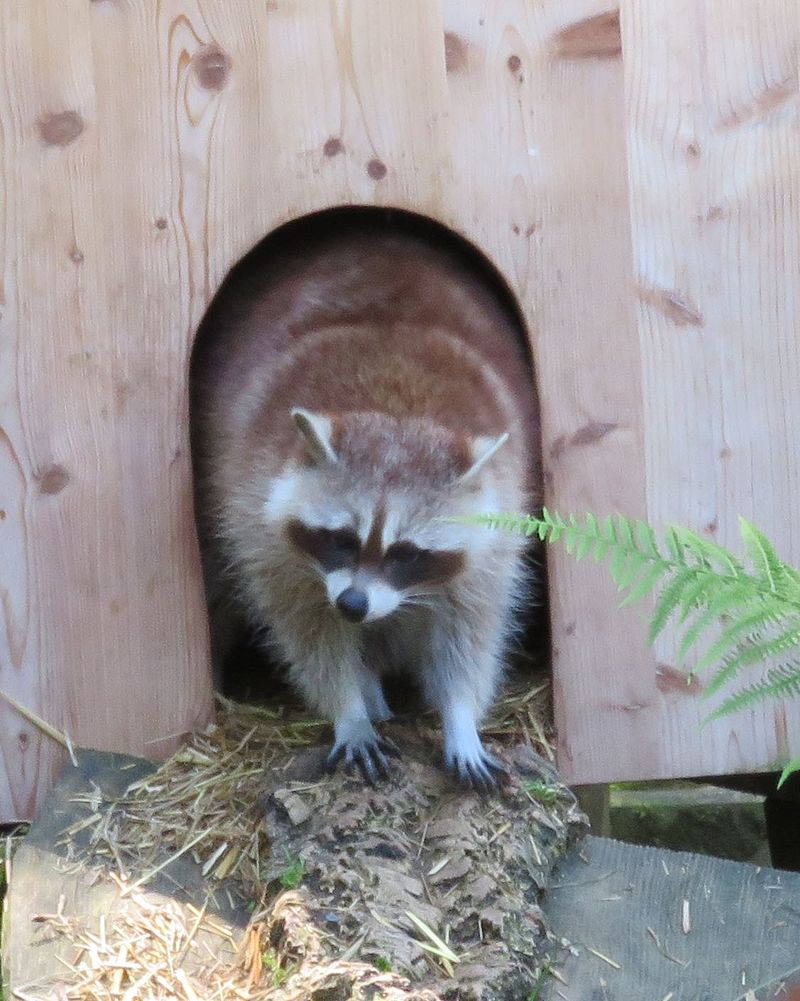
(317, 431)
(482, 449)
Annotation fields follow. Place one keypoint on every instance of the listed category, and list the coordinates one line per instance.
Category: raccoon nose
(352, 604)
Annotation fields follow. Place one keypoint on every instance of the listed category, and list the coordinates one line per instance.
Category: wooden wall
(644, 209)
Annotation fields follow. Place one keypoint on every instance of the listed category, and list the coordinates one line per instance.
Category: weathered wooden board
(650, 923)
(145, 147)
(103, 625)
(713, 116)
(46, 875)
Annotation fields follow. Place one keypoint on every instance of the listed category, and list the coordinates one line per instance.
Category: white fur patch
(389, 533)
(383, 600)
(286, 500)
(337, 581)
(332, 520)
(281, 497)
(461, 740)
(365, 520)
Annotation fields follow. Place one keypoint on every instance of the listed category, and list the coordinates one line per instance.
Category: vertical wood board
(714, 167)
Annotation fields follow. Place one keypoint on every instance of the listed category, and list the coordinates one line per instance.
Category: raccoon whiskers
(430, 600)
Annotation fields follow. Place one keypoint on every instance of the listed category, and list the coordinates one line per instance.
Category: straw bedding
(414, 890)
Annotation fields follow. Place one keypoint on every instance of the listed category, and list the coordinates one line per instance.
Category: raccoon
(356, 389)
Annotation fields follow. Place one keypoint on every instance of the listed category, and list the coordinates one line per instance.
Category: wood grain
(104, 624)
(660, 918)
(542, 85)
(637, 191)
(713, 133)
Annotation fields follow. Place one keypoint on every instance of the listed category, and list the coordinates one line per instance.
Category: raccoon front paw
(365, 750)
(477, 770)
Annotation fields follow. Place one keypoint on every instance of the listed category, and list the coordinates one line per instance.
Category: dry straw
(204, 802)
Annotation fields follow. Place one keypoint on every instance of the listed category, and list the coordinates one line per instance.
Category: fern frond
(746, 627)
(732, 598)
(765, 560)
(785, 641)
(644, 585)
(753, 650)
(699, 583)
(705, 553)
(669, 600)
(629, 570)
(674, 546)
(696, 594)
(790, 769)
(624, 534)
(646, 540)
(778, 683)
(723, 674)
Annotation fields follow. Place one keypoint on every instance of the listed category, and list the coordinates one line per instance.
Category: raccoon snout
(353, 604)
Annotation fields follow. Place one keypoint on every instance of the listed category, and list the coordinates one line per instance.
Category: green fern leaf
(674, 546)
(617, 564)
(734, 598)
(726, 670)
(764, 649)
(646, 541)
(790, 769)
(570, 539)
(607, 533)
(648, 580)
(700, 583)
(779, 683)
(765, 560)
(692, 544)
(669, 599)
(600, 550)
(790, 585)
(633, 566)
(696, 593)
(745, 627)
(690, 638)
(583, 547)
(708, 554)
(625, 533)
(714, 555)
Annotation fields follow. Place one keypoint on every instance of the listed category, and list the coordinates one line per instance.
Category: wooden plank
(189, 146)
(591, 417)
(542, 86)
(49, 873)
(649, 923)
(714, 138)
(329, 104)
(103, 610)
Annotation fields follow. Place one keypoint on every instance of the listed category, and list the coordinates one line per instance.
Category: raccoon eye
(334, 549)
(344, 540)
(404, 552)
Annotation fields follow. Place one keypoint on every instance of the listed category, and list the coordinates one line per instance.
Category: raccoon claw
(483, 773)
(369, 754)
(388, 746)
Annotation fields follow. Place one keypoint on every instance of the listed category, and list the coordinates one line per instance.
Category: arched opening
(247, 673)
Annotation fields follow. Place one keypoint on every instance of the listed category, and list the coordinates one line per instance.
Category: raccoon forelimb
(358, 744)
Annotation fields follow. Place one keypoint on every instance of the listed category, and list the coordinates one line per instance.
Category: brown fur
(413, 356)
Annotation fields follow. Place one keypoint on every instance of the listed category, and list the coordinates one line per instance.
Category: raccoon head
(365, 504)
